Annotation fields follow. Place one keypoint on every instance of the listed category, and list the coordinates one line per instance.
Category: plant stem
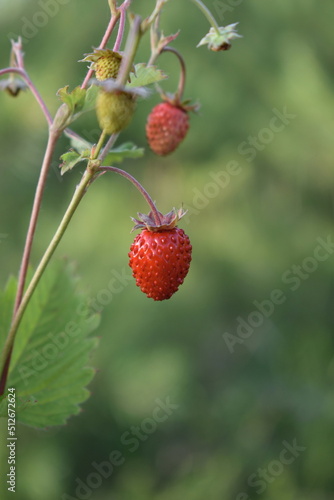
(207, 14)
(113, 6)
(99, 145)
(37, 95)
(182, 81)
(130, 51)
(147, 23)
(77, 197)
(5, 369)
(33, 89)
(104, 41)
(17, 54)
(120, 33)
(120, 13)
(52, 140)
(22, 302)
(140, 188)
(109, 144)
(126, 4)
(155, 36)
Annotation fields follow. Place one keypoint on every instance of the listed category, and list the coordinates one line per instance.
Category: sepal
(167, 222)
(221, 41)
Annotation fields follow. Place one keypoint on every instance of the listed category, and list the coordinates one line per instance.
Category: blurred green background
(238, 400)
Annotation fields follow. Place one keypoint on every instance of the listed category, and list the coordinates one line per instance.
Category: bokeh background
(240, 396)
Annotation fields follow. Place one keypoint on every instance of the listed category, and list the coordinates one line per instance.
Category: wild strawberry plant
(46, 299)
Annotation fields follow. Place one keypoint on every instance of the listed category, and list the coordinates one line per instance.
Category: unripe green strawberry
(114, 110)
(167, 126)
(106, 63)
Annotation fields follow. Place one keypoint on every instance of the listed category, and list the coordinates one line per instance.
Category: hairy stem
(147, 23)
(140, 188)
(104, 41)
(203, 8)
(109, 144)
(99, 145)
(7, 353)
(130, 51)
(155, 35)
(120, 33)
(115, 16)
(182, 81)
(21, 303)
(22, 299)
(113, 6)
(52, 140)
(77, 197)
(33, 89)
(17, 54)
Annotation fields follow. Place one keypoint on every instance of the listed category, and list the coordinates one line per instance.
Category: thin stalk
(113, 6)
(22, 302)
(52, 140)
(98, 147)
(154, 38)
(77, 197)
(182, 80)
(154, 56)
(203, 8)
(16, 56)
(147, 23)
(33, 89)
(109, 144)
(120, 33)
(126, 4)
(130, 51)
(140, 188)
(104, 41)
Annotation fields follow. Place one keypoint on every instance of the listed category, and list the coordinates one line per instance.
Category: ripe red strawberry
(160, 256)
(167, 125)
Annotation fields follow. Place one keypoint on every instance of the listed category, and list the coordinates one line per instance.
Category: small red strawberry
(167, 125)
(160, 255)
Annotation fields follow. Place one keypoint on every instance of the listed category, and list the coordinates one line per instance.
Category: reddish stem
(120, 33)
(53, 137)
(28, 243)
(104, 41)
(182, 81)
(17, 52)
(109, 144)
(140, 188)
(113, 21)
(33, 89)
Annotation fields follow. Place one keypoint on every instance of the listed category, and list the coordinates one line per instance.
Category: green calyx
(222, 40)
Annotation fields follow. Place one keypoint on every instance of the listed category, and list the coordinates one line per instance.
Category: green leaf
(71, 158)
(75, 100)
(116, 155)
(50, 363)
(74, 104)
(90, 99)
(126, 150)
(79, 143)
(145, 75)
